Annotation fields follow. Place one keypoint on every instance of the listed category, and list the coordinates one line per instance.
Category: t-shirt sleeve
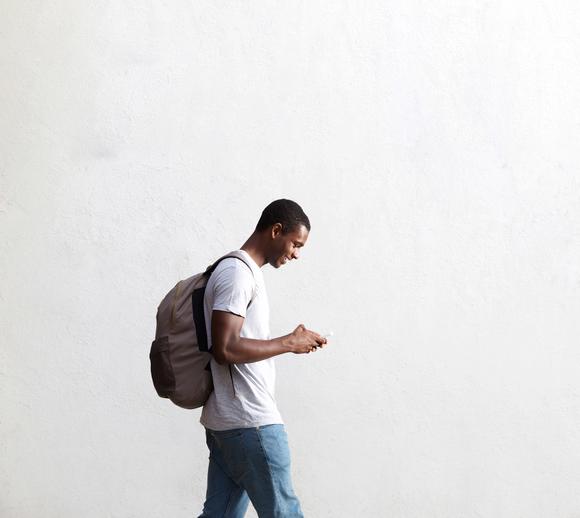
(233, 287)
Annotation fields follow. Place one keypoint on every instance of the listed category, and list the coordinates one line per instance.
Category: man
(249, 455)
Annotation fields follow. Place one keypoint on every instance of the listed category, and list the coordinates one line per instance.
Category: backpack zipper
(178, 288)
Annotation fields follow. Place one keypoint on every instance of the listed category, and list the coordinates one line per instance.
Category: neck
(254, 247)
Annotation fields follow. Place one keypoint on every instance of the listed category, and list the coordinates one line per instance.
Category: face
(286, 247)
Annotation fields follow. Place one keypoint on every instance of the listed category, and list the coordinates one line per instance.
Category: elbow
(221, 356)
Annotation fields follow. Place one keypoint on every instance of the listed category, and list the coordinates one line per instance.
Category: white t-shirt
(243, 394)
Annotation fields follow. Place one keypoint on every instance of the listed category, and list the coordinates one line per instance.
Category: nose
(296, 254)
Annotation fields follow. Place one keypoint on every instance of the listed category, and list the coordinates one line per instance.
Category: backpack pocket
(161, 368)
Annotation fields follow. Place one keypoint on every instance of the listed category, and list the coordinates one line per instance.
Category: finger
(316, 337)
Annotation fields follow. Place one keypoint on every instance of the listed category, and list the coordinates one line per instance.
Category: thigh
(268, 478)
(224, 497)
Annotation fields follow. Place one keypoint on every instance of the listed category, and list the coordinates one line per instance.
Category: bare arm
(229, 347)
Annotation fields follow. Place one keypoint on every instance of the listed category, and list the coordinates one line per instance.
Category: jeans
(249, 464)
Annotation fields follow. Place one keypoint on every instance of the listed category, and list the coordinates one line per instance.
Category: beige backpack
(180, 360)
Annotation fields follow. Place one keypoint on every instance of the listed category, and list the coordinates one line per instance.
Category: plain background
(434, 146)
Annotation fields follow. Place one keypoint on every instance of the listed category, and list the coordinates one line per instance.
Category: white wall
(434, 146)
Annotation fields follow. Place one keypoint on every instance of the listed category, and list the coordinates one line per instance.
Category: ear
(276, 230)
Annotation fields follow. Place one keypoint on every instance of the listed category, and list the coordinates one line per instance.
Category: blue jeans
(249, 464)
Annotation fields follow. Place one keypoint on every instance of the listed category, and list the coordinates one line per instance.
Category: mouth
(285, 260)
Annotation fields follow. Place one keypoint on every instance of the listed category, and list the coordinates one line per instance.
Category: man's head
(283, 228)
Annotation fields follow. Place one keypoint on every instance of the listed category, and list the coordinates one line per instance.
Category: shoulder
(233, 269)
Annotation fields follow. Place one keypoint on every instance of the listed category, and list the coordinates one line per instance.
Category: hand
(302, 340)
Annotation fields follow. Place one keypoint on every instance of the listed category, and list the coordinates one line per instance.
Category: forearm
(249, 350)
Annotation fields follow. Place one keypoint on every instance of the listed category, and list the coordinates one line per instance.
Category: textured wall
(434, 146)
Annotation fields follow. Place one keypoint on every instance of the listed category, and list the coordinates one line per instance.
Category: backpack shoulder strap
(235, 255)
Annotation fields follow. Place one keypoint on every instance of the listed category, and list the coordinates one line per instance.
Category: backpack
(179, 356)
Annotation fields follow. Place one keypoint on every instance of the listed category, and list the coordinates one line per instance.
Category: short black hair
(286, 212)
